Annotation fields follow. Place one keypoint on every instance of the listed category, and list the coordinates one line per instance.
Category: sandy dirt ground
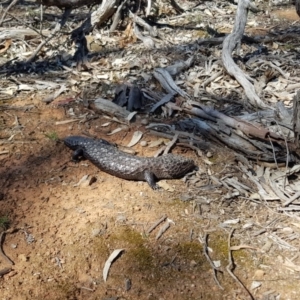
(61, 232)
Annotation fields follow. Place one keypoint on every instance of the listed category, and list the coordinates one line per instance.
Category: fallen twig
(42, 44)
(1, 250)
(6, 11)
(230, 266)
(229, 44)
(163, 229)
(215, 269)
(171, 144)
(156, 224)
(5, 271)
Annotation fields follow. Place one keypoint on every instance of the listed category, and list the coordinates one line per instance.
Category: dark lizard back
(110, 159)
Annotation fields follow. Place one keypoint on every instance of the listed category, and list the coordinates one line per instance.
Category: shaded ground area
(74, 229)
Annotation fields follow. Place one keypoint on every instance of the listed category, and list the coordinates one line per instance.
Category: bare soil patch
(73, 229)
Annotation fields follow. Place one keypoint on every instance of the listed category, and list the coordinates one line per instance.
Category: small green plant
(4, 222)
(52, 136)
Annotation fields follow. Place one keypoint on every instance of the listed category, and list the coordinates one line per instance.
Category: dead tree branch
(229, 45)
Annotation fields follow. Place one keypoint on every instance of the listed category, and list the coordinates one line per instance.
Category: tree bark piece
(229, 44)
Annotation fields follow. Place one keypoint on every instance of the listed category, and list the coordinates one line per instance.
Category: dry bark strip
(229, 44)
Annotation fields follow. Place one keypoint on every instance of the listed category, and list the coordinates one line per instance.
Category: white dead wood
(148, 9)
(53, 96)
(109, 261)
(99, 16)
(111, 108)
(162, 230)
(66, 121)
(171, 144)
(229, 44)
(168, 83)
(147, 40)
(117, 17)
(162, 219)
(105, 11)
(216, 269)
(141, 22)
(20, 33)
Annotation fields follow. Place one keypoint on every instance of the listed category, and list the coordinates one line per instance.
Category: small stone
(209, 154)
(287, 230)
(193, 263)
(143, 143)
(217, 263)
(267, 246)
(255, 285)
(144, 121)
(82, 277)
(14, 246)
(37, 275)
(127, 284)
(96, 231)
(259, 274)
(22, 257)
(137, 208)
(121, 219)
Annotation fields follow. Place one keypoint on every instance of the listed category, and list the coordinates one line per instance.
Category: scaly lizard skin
(110, 159)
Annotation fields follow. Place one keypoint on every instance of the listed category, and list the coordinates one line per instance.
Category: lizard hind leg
(77, 154)
(150, 178)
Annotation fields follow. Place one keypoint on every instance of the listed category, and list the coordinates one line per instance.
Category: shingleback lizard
(110, 159)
